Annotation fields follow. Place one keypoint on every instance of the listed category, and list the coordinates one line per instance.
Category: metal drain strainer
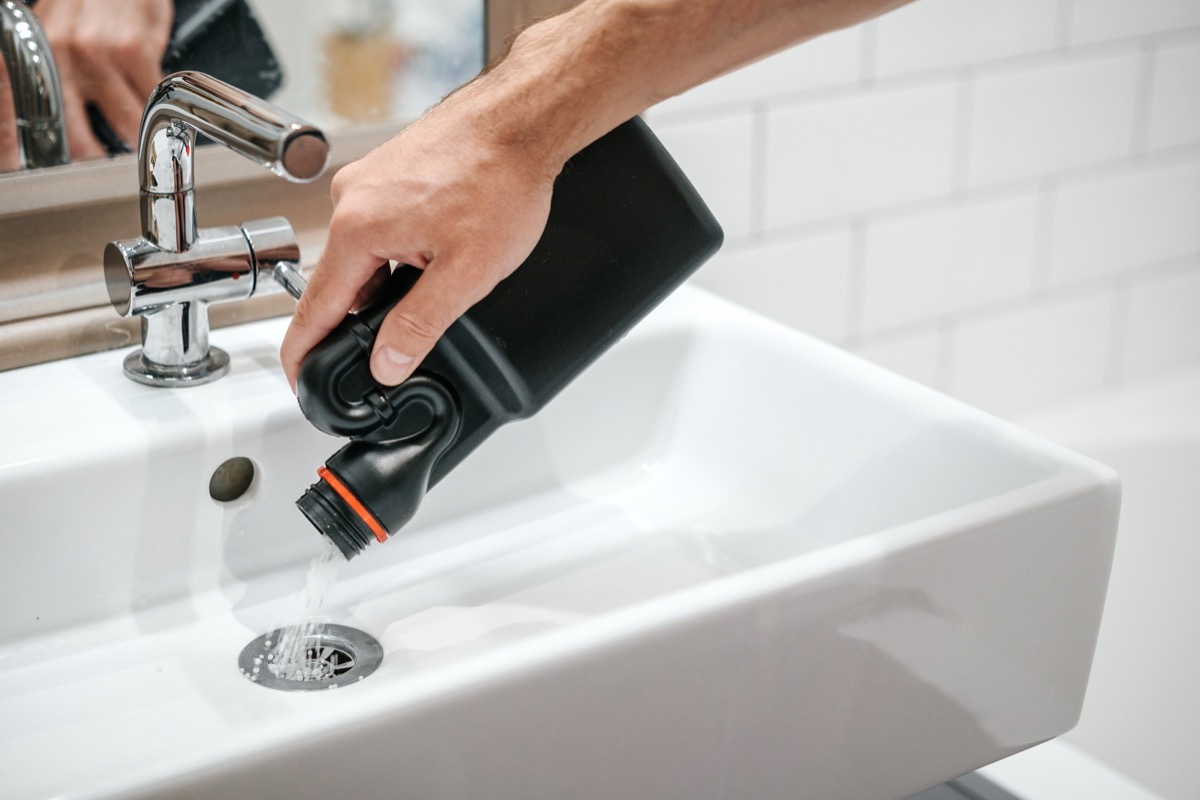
(326, 656)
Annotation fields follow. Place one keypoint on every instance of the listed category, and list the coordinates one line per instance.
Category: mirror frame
(55, 222)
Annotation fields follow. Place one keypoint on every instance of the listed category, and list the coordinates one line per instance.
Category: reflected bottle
(360, 53)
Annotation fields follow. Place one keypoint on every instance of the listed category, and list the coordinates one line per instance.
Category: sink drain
(323, 656)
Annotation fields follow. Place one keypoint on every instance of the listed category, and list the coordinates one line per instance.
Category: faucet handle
(172, 295)
(288, 276)
(274, 250)
(272, 241)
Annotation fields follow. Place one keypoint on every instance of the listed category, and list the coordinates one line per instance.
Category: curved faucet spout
(173, 272)
(37, 93)
(186, 102)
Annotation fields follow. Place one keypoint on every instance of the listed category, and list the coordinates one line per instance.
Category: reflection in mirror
(336, 63)
(30, 103)
(354, 61)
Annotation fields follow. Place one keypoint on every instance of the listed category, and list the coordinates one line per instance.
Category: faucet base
(206, 370)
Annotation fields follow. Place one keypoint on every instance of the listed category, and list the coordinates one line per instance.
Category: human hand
(447, 195)
(109, 54)
(464, 192)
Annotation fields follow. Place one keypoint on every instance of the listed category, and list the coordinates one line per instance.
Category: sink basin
(729, 561)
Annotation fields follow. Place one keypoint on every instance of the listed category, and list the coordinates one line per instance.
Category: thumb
(411, 329)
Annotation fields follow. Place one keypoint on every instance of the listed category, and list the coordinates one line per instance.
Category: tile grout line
(1062, 25)
(1043, 236)
(1143, 102)
(964, 126)
(1140, 275)
(937, 76)
(856, 282)
(758, 171)
(994, 192)
(943, 375)
(1118, 334)
(867, 55)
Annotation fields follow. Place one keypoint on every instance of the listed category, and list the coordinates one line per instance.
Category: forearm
(569, 79)
(464, 192)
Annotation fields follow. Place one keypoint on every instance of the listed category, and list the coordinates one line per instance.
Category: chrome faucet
(172, 272)
(36, 91)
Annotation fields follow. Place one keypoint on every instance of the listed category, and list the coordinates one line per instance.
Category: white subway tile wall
(1064, 113)
(831, 60)
(1010, 363)
(864, 151)
(1174, 110)
(1161, 326)
(998, 198)
(809, 280)
(934, 34)
(1130, 218)
(1100, 20)
(950, 260)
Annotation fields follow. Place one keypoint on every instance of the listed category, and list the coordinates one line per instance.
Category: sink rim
(1078, 478)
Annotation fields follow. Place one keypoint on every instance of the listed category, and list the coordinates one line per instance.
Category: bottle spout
(368, 491)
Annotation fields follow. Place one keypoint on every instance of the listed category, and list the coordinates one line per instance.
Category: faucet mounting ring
(214, 365)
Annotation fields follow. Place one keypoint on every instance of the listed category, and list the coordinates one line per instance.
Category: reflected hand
(447, 195)
(109, 54)
(10, 154)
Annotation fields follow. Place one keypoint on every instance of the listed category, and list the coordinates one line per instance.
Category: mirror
(355, 61)
(341, 64)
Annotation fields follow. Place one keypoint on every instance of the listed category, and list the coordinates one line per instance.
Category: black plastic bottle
(625, 229)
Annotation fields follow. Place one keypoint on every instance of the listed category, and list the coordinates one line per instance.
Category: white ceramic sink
(728, 562)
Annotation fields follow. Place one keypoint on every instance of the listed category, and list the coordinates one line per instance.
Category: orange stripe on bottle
(344, 492)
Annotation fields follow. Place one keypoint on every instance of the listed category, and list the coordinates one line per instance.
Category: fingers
(117, 71)
(115, 66)
(407, 334)
(59, 20)
(120, 104)
(81, 140)
(150, 46)
(367, 293)
(137, 55)
(465, 209)
(440, 296)
(332, 292)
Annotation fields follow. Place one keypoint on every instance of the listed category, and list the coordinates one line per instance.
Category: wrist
(561, 85)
